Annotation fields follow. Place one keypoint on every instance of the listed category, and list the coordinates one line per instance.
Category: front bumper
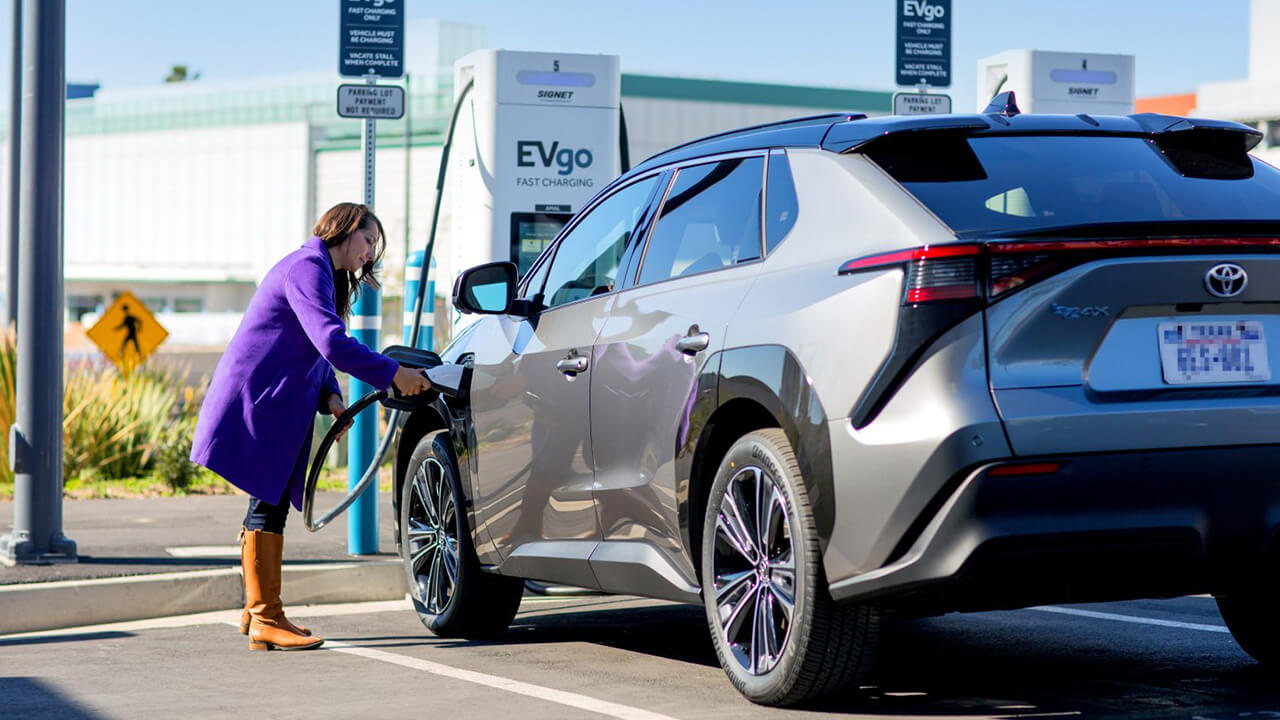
(1104, 527)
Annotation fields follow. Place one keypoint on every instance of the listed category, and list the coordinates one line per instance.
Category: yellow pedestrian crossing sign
(127, 332)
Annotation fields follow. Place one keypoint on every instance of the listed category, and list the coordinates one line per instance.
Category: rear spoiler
(1194, 147)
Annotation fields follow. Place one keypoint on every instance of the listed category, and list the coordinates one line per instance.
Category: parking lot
(622, 657)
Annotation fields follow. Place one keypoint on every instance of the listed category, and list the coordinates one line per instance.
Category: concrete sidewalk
(154, 557)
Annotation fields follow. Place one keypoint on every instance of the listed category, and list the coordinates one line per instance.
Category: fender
(455, 415)
(772, 378)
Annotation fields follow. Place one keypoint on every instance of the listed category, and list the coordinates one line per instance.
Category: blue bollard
(413, 276)
(362, 438)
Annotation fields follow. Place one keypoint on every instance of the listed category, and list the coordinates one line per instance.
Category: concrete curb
(31, 607)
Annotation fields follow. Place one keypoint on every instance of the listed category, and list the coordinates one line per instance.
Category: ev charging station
(537, 135)
(1059, 82)
(532, 138)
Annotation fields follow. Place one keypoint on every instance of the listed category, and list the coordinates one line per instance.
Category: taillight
(1011, 271)
(946, 284)
(934, 273)
(943, 287)
(965, 271)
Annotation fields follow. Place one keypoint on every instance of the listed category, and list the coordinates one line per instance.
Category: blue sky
(1178, 43)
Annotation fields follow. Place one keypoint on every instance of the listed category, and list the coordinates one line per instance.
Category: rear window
(1016, 184)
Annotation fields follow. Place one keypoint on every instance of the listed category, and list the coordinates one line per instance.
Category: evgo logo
(531, 153)
(922, 9)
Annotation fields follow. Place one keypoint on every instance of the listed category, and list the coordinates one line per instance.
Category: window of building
(188, 305)
(80, 305)
(1273, 133)
(154, 303)
(710, 220)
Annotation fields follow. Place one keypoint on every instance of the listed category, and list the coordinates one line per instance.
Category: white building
(1256, 100)
(185, 194)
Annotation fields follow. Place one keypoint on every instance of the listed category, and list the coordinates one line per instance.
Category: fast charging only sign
(924, 42)
(371, 38)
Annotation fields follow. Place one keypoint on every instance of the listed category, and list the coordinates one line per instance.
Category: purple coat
(255, 424)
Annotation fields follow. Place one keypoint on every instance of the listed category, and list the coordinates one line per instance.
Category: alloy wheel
(432, 537)
(754, 569)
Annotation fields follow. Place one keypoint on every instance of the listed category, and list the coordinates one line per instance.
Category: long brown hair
(334, 227)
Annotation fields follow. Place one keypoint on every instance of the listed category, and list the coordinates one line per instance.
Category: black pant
(264, 516)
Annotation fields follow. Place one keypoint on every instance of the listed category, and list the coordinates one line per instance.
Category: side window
(586, 261)
(710, 220)
(533, 285)
(780, 204)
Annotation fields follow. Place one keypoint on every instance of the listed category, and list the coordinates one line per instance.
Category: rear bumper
(1104, 527)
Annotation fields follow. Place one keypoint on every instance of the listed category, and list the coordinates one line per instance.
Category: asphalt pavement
(637, 659)
(157, 593)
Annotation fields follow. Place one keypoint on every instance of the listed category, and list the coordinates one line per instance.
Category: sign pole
(366, 321)
(370, 46)
(35, 438)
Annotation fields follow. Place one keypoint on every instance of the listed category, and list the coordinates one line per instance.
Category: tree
(179, 74)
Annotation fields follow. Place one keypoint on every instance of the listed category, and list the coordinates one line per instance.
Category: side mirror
(486, 289)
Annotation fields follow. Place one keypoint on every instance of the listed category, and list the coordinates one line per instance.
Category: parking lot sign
(914, 103)
(381, 102)
(371, 38)
(924, 42)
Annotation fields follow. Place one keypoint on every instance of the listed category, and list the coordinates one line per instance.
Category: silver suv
(808, 373)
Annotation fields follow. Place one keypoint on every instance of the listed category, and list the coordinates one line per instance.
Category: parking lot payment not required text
(381, 102)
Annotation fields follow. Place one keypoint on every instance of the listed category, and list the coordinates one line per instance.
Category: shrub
(8, 371)
(114, 426)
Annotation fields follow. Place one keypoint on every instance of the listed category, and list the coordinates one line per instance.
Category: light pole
(35, 439)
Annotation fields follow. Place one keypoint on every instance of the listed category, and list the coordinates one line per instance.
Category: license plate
(1228, 351)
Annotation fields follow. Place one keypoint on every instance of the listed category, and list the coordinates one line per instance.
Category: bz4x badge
(1074, 313)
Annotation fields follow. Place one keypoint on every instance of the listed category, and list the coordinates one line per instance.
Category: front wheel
(1253, 617)
(452, 595)
(779, 636)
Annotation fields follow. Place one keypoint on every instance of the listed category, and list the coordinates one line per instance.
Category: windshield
(1017, 184)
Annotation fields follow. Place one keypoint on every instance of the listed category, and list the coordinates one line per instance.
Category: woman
(277, 372)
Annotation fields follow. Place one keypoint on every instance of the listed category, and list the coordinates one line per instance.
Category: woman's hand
(336, 408)
(410, 382)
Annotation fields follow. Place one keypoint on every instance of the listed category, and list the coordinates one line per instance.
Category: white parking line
(562, 697)
(1131, 619)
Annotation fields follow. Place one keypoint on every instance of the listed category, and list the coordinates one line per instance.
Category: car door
(701, 256)
(530, 397)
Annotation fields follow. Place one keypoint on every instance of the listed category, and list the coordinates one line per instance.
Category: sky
(1179, 44)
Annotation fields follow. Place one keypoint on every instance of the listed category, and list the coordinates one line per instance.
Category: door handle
(572, 365)
(693, 343)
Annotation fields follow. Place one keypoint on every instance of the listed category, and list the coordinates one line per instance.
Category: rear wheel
(1253, 617)
(452, 595)
(779, 636)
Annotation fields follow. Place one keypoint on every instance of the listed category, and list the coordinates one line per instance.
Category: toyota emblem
(1226, 280)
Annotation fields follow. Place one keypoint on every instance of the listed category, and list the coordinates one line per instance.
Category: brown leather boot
(244, 614)
(268, 629)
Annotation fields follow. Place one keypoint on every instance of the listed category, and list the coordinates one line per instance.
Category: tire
(773, 658)
(452, 595)
(1253, 617)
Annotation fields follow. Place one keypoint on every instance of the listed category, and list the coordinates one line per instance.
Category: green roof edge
(728, 91)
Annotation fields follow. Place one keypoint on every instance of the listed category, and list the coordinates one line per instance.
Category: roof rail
(823, 121)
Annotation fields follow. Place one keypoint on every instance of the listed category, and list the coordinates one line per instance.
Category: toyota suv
(809, 373)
